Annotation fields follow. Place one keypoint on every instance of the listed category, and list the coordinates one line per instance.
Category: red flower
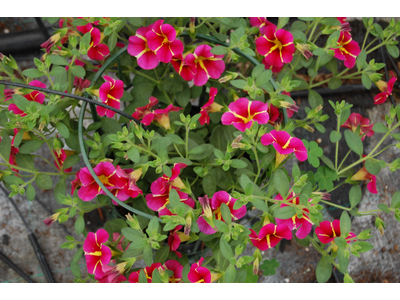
(276, 116)
(208, 65)
(148, 271)
(261, 23)
(138, 47)
(215, 209)
(162, 40)
(328, 231)
(199, 274)
(96, 253)
(284, 144)
(159, 115)
(385, 88)
(356, 120)
(363, 174)
(242, 112)
(269, 236)
(185, 66)
(160, 189)
(344, 25)
(209, 107)
(107, 175)
(33, 96)
(348, 51)
(127, 182)
(61, 157)
(277, 47)
(303, 224)
(110, 92)
(96, 50)
(175, 267)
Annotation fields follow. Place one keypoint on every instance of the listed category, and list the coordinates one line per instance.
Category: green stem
(335, 205)
(337, 143)
(343, 160)
(187, 142)
(313, 29)
(365, 39)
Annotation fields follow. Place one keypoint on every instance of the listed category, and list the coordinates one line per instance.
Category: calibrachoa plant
(190, 126)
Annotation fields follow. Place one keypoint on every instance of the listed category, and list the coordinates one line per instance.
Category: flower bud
(231, 76)
(288, 105)
(305, 50)
(132, 221)
(380, 225)
(188, 224)
(191, 24)
(205, 204)
(52, 219)
(308, 128)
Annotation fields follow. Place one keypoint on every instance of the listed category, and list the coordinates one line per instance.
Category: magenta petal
(148, 60)
(88, 192)
(204, 226)
(101, 236)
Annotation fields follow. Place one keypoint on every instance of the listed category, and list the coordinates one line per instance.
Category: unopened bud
(289, 105)
(188, 225)
(231, 76)
(235, 144)
(304, 50)
(308, 128)
(191, 24)
(205, 204)
(380, 225)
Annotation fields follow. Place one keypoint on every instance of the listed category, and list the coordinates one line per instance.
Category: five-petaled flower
(348, 49)
(269, 236)
(215, 209)
(96, 50)
(138, 47)
(243, 112)
(106, 172)
(363, 174)
(208, 65)
(184, 66)
(385, 88)
(199, 274)
(303, 224)
(146, 115)
(284, 144)
(276, 46)
(96, 253)
(209, 107)
(110, 92)
(328, 231)
(160, 189)
(33, 96)
(356, 120)
(162, 40)
(148, 271)
(176, 268)
(127, 184)
(260, 22)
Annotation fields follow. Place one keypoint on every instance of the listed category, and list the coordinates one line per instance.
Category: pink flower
(356, 120)
(107, 175)
(363, 174)
(148, 271)
(269, 236)
(328, 231)
(159, 115)
(61, 157)
(96, 50)
(96, 253)
(185, 66)
(216, 202)
(276, 46)
(208, 65)
(174, 240)
(303, 224)
(261, 23)
(199, 274)
(138, 47)
(243, 112)
(348, 50)
(33, 96)
(110, 92)
(160, 189)
(175, 267)
(385, 88)
(112, 274)
(127, 184)
(209, 107)
(162, 40)
(284, 144)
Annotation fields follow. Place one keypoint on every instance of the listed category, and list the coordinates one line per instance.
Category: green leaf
(161, 255)
(112, 41)
(314, 99)
(335, 136)
(281, 182)
(30, 146)
(71, 161)
(221, 136)
(324, 270)
(133, 154)
(269, 266)
(393, 50)
(363, 246)
(115, 226)
(79, 22)
(348, 279)
(327, 162)
(230, 274)
(219, 50)
(30, 192)
(313, 153)
(174, 198)
(372, 166)
(5, 146)
(80, 225)
(395, 200)
(361, 60)
(78, 71)
(366, 81)
(59, 60)
(334, 83)
(183, 97)
(355, 195)
(221, 226)
(209, 185)
(354, 142)
(226, 213)
(226, 250)
(44, 182)
(299, 25)
(383, 207)
(240, 83)
(201, 152)
(32, 73)
(380, 128)
(345, 224)
(142, 277)
(282, 21)
(343, 259)
(75, 268)
(238, 164)
(285, 212)
(62, 129)
(18, 138)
